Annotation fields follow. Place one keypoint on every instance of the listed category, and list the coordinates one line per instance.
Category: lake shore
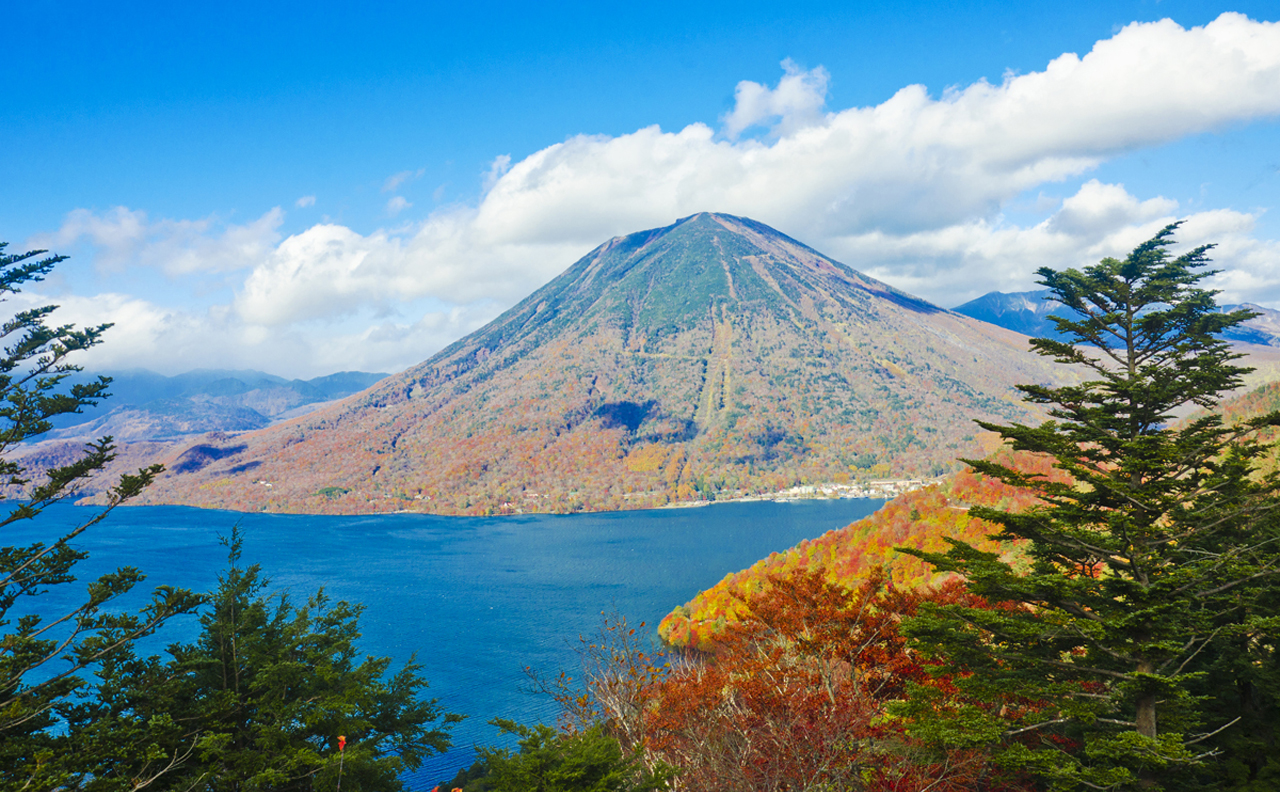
(879, 488)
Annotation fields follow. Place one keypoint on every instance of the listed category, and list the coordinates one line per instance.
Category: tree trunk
(1146, 704)
(1146, 718)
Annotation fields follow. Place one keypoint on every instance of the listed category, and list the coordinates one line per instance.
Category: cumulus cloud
(392, 346)
(912, 190)
(913, 162)
(122, 237)
(795, 103)
(169, 340)
(330, 271)
(143, 334)
(1099, 209)
(305, 201)
(497, 169)
(961, 262)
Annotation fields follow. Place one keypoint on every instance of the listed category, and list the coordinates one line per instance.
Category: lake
(476, 598)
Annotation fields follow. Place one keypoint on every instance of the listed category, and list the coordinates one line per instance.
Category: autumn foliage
(797, 693)
(921, 519)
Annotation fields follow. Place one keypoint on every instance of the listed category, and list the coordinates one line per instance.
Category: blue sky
(317, 187)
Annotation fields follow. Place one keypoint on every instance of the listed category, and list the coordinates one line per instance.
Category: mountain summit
(710, 358)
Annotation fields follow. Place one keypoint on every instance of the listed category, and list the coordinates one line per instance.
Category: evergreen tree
(258, 702)
(586, 760)
(1240, 684)
(44, 657)
(1144, 569)
(265, 693)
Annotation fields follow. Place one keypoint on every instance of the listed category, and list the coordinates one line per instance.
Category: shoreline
(879, 489)
(885, 489)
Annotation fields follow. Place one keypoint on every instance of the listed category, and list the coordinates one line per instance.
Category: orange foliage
(795, 694)
(922, 519)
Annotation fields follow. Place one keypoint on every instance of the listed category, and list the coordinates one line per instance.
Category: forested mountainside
(707, 359)
(922, 519)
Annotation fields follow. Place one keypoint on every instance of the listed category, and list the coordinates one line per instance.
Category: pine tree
(264, 694)
(44, 657)
(1142, 567)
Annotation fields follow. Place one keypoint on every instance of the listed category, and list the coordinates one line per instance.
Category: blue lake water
(477, 599)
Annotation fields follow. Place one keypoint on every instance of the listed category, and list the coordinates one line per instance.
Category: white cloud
(910, 191)
(123, 237)
(1101, 208)
(305, 201)
(913, 162)
(395, 180)
(797, 102)
(143, 334)
(330, 271)
(392, 346)
(173, 341)
(497, 169)
(960, 262)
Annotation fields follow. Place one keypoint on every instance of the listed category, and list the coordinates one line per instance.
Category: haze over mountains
(707, 359)
(145, 405)
(1028, 313)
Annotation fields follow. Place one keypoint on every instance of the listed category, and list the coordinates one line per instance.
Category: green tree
(1142, 567)
(265, 692)
(1240, 685)
(45, 657)
(586, 760)
(258, 702)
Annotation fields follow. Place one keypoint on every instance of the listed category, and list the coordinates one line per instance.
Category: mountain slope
(709, 358)
(923, 519)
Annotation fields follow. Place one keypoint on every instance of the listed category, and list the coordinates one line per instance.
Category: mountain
(712, 358)
(1263, 329)
(145, 405)
(1028, 313)
(1023, 312)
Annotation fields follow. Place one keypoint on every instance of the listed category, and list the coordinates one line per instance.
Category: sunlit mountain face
(705, 360)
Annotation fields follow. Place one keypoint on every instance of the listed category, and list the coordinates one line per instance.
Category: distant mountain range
(1028, 313)
(145, 405)
(711, 358)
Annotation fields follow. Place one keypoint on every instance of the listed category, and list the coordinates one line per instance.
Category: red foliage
(796, 695)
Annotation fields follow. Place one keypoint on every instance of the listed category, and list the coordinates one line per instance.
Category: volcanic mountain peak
(709, 358)
(652, 286)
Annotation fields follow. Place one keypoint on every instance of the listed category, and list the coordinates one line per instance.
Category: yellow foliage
(647, 458)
